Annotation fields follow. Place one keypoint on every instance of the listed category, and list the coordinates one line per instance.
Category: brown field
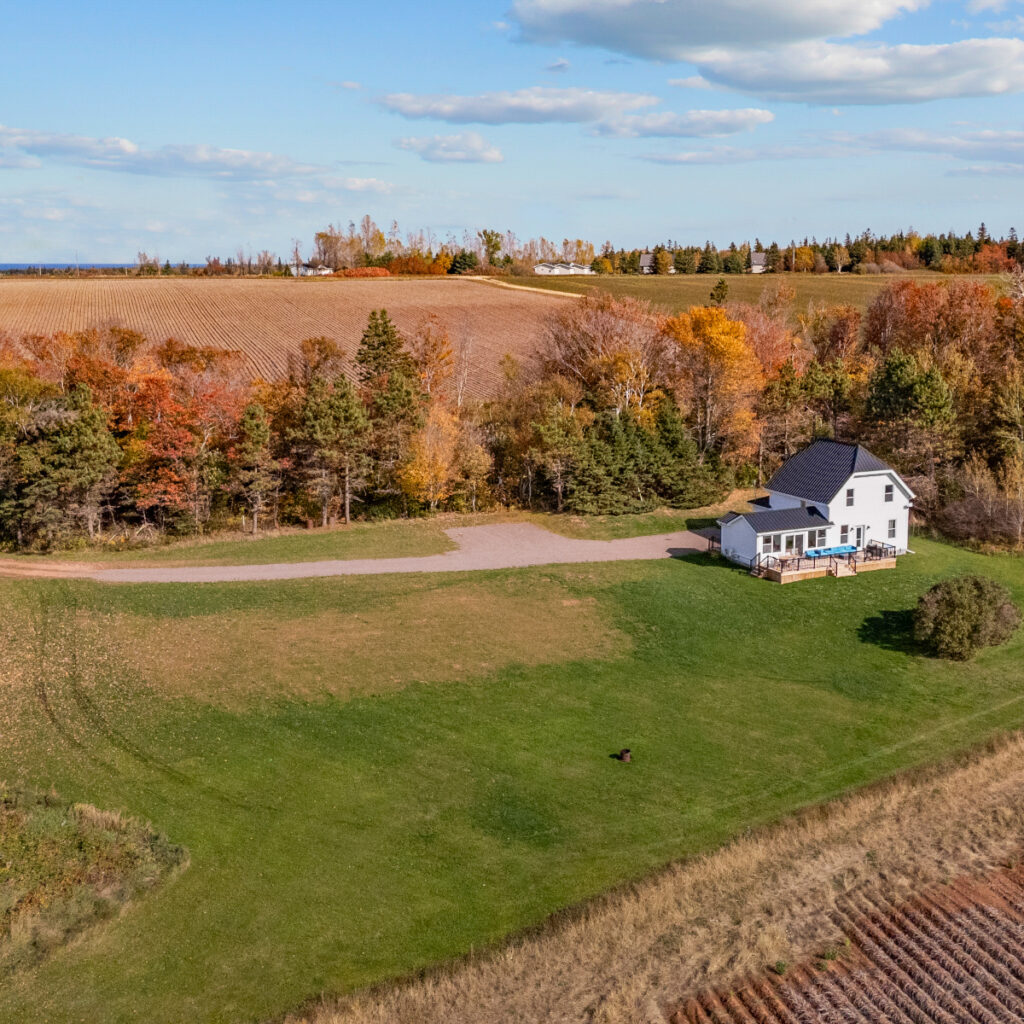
(953, 954)
(893, 904)
(266, 319)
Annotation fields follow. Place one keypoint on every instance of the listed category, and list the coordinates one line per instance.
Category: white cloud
(692, 124)
(792, 51)
(990, 145)
(673, 29)
(20, 148)
(559, 65)
(466, 147)
(536, 105)
(119, 154)
(831, 73)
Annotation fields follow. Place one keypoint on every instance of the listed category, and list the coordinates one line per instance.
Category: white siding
(871, 511)
(739, 542)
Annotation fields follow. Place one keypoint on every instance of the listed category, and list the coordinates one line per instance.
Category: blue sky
(190, 129)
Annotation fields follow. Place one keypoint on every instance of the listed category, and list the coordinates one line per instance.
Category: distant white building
(758, 262)
(311, 270)
(649, 265)
(561, 269)
(832, 508)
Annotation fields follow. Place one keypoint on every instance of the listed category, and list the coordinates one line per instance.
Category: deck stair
(841, 569)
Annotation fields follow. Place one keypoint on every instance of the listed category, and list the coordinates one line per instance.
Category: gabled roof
(778, 519)
(819, 471)
(759, 259)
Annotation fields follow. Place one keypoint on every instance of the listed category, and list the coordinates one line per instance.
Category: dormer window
(849, 496)
(888, 492)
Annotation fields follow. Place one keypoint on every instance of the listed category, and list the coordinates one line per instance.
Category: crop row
(953, 956)
(267, 319)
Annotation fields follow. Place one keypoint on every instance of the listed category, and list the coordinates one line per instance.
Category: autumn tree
(429, 473)
(719, 379)
(613, 348)
(432, 356)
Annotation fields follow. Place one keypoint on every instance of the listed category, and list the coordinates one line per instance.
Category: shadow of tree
(892, 630)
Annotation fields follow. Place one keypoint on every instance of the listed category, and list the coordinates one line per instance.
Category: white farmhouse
(832, 509)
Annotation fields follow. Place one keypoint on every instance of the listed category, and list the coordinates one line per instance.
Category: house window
(766, 544)
(892, 529)
(888, 492)
(815, 538)
(790, 540)
(844, 534)
(849, 496)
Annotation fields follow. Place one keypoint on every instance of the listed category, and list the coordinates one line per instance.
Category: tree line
(106, 434)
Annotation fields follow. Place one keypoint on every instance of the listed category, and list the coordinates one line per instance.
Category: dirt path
(502, 546)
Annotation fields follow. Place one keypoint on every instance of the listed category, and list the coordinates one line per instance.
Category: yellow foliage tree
(719, 379)
(431, 349)
(428, 474)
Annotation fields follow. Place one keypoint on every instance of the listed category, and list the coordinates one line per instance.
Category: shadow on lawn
(891, 630)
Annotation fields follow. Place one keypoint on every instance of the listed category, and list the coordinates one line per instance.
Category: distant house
(562, 269)
(832, 509)
(311, 270)
(758, 262)
(649, 265)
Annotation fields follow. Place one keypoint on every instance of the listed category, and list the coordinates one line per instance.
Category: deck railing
(874, 551)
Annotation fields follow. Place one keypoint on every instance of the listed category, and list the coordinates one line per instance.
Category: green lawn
(364, 787)
(680, 291)
(393, 538)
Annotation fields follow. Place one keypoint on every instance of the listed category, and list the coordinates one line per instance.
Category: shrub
(363, 272)
(959, 616)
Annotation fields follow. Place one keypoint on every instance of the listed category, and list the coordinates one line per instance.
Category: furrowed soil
(951, 954)
(266, 319)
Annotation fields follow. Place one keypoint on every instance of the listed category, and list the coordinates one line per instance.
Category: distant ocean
(71, 266)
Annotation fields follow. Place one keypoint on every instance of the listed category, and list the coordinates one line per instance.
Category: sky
(192, 129)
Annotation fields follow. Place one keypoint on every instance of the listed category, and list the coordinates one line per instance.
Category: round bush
(959, 616)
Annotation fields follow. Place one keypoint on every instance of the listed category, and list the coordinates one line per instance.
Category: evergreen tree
(329, 442)
(254, 470)
(64, 464)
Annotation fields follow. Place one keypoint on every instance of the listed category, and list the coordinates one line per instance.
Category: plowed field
(955, 955)
(266, 319)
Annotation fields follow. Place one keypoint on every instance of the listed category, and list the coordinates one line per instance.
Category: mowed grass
(387, 539)
(679, 292)
(367, 829)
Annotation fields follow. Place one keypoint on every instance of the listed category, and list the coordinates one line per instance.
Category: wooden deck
(818, 571)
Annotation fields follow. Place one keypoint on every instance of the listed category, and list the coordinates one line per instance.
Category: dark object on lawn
(625, 755)
(959, 616)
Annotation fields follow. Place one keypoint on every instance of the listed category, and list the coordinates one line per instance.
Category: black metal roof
(778, 519)
(820, 470)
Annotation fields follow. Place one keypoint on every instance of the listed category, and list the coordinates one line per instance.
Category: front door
(858, 537)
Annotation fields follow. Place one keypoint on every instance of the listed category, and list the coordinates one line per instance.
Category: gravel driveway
(505, 546)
